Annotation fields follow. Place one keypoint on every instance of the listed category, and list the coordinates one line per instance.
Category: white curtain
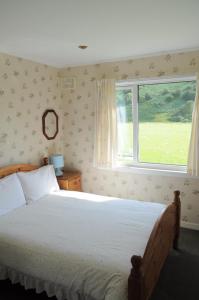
(193, 157)
(105, 144)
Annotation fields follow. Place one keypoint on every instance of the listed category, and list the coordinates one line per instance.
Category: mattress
(75, 245)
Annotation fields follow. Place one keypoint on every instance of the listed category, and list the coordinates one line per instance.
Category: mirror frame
(44, 124)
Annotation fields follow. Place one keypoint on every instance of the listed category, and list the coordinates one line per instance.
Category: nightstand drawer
(63, 184)
(70, 180)
(74, 184)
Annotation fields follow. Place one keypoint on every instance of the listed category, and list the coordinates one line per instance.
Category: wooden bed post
(135, 281)
(178, 210)
(146, 270)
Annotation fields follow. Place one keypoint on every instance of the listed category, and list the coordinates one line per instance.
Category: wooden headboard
(5, 171)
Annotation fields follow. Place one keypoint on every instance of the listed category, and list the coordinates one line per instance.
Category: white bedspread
(75, 245)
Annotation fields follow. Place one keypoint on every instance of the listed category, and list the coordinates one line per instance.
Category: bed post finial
(177, 225)
(177, 196)
(45, 161)
(135, 281)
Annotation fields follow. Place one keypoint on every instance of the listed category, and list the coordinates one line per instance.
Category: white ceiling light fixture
(82, 47)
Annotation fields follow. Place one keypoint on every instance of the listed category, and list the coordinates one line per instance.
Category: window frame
(134, 86)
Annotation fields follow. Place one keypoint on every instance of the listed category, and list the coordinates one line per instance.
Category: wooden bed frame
(145, 270)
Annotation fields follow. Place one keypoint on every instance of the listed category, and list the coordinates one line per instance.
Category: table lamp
(57, 160)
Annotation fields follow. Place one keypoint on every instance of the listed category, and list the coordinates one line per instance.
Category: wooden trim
(5, 171)
(146, 270)
(188, 225)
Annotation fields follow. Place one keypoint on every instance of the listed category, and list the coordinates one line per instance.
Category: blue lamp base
(58, 172)
(57, 161)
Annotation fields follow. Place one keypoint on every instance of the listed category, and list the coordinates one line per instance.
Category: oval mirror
(50, 124)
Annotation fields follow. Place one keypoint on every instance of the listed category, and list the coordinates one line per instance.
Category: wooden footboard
(146, 270)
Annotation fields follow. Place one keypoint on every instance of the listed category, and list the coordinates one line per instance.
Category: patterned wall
(78, 117)
(27, 89)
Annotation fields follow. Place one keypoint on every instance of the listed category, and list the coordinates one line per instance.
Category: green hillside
(165, 102)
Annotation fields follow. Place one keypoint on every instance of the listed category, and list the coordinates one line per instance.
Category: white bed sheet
(75, 245)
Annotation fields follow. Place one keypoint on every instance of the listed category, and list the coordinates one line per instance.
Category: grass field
(166, 143)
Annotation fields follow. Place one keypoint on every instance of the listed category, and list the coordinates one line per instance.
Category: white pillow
(11, 194)
(38, 183)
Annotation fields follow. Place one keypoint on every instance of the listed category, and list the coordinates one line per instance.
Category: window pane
(165, 112)
(125, 123)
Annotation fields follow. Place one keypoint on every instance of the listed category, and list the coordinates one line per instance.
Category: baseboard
(188, 225)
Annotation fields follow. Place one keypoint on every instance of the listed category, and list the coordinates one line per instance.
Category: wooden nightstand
(70, 180)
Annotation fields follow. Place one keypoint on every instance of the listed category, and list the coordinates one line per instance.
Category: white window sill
(152, 171)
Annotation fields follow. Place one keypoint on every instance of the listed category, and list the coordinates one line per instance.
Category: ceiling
(49, 31)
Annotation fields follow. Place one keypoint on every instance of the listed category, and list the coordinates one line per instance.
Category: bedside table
(70, 180)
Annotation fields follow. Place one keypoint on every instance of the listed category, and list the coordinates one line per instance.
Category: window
(154, 122)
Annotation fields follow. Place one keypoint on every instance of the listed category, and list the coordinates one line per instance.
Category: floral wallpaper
(27, 89)
(78, 122)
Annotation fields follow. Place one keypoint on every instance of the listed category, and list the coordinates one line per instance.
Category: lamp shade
(57, 160)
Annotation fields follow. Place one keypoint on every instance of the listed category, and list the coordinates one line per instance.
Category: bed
(82, 246)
